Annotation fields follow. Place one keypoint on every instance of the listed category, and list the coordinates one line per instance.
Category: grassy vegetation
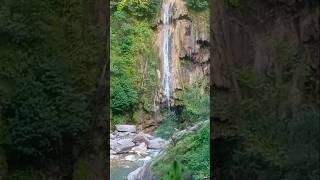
(192, 153)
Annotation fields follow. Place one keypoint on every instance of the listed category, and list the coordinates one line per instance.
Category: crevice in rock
(203, 43)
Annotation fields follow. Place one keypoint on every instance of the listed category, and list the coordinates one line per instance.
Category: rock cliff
(190, 54)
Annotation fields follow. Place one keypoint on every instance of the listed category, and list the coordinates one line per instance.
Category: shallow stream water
(120, 167)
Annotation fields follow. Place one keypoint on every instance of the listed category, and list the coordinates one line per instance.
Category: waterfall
(166, 51)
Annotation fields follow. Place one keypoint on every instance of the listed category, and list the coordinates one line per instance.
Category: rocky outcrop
(142, 173)
(131, 142)
(189, 47)
(126, 128)
(145, 171)
(157, 143)
(122, 145)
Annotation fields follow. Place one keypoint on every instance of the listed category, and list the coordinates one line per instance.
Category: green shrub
(197, 5)
(123, 96)
(175, 172)
(117, 119)
(141, 9)
(145, 9)
(146, 107)
(136, 117)
(42, 112)
(81, 170)
(192, 151)
(196, 101)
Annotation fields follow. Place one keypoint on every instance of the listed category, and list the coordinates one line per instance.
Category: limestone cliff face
(189, 47)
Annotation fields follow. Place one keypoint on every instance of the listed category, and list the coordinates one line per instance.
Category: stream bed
(121, 165)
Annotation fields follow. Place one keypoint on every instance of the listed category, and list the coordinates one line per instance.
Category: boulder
(112, 152)
(143, 172)
(126, 128)
(140, 150)
(156, 143)
(113, 144)
(149, 136)
(141, 137)
(122, 145)
(130, 157)
(112, 136)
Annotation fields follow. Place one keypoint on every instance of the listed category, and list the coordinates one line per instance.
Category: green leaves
(175, 172)
(195, 100)
(133, 62)
(193, 152)
(140, 9)
(197, 5)
(123, 97)
(42, 112)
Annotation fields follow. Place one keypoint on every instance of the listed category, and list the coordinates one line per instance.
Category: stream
(120, 167)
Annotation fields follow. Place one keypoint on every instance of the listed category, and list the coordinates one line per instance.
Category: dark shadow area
(265, 116)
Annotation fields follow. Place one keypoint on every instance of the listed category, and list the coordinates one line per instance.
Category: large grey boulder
(156, 143)
(126, 128)
(141, 137)
(140, 150)
(122, 145)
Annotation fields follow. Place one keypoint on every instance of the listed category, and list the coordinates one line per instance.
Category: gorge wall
(189, 47)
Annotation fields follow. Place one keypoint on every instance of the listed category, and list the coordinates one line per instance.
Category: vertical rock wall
(189, 47)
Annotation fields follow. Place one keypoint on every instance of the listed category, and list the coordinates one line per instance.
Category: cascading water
(166, 52)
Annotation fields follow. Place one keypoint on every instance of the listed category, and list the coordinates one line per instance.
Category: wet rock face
(190, 54)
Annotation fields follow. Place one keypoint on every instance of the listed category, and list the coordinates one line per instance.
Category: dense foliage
(274, 126)
(43, 111)
(48, 72)
(133, 60)
(175, 172)
(192, 152)
(197, 5)
(140, 9)
(195, 100)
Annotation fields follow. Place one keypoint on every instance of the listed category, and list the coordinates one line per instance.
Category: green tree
(123, 96)
(197, 5)
(195, 100)
(43, 113)
(175, 172)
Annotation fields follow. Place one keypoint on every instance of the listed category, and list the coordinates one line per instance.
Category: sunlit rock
(126, 128)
